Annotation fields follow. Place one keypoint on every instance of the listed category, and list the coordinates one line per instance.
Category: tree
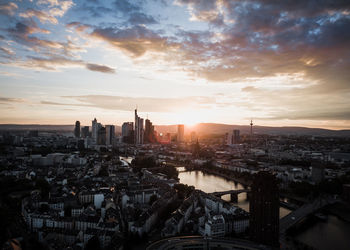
(44, 186)
(152, 199)
(183, 190)
(93, 244)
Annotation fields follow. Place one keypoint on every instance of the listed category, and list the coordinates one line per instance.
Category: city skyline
(180, 62)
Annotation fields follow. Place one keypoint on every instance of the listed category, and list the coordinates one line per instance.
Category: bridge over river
(299, 214)
(234, 193)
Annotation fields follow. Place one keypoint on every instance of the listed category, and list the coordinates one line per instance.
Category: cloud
(43, 17)
(78, 26)
(135, 41)
(149, 104)
(55, 63)
(64, 104)
(125, 6)
(100, 68)
(51, 63)
(95, 10)
(141, 18)
(265, 38)
(204, 10)
(23, 33)
(313, 115)
(250, 89)
(8, 100)
(8, 9)
(298, 103)
(6, 52)
(56, 8)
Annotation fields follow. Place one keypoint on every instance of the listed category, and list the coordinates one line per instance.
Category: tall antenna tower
(251, 133)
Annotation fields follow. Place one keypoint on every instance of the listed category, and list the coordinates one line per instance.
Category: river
(211, 183)
(331, 234)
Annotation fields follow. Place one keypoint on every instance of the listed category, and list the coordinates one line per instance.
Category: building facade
(110, 134)
(264, 209)
(138, 131)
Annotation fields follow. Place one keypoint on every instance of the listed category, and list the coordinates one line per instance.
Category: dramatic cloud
(280, 59)
(50, 55)
(136, 41)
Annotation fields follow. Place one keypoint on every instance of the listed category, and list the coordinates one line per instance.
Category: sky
(280, 63)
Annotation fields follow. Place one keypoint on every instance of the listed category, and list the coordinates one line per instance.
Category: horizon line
(82, 125)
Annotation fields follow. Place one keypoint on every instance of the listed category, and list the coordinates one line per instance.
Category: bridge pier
(234, 197)
(248, 196)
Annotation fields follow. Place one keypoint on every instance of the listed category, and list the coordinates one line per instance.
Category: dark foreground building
(264, 209)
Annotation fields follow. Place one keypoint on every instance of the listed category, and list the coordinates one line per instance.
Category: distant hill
(201, 128)
(216, 128)
(43, 127)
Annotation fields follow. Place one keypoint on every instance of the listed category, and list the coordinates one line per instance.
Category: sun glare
(189, 119)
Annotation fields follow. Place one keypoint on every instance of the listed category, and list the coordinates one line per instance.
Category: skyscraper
(77, 129)
(101, 136)
(110, 134)
(180, 132)
(264, 209)
(139, 132)
(128, 132)
(236, 136)
(251, 133)
(94, 129)
(149, 132)
(85, 131)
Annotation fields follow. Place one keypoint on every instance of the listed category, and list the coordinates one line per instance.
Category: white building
(215, 226)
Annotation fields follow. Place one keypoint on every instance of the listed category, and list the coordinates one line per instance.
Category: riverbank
(231, 178)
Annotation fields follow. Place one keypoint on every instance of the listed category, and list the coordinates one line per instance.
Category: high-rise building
(180, 132)
(101, 136)
(232, 138)
(264, 209)
(77, 129)
(138, 131)
(110, 134)
(85, 131)
(236, 136)
(94, 129)
(128, 132)
(149, 132)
